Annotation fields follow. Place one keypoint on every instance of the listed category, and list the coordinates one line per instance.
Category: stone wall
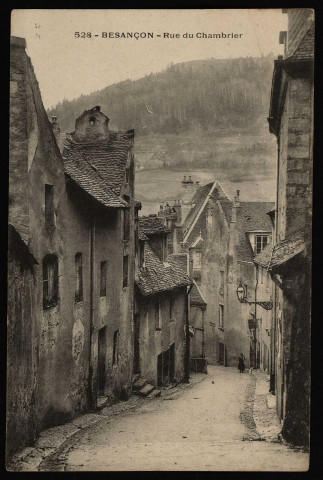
(22, 349)
(172, 330)
(59, 360)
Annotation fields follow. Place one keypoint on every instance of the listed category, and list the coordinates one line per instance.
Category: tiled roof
(84, 175)
(142, 236)
(226, 205)
(181, 259)
(16, 242)
(196, 297)
(263, 258)
(108, 158)
(197, 215)
(197, 200)
(158, 276)
(152, 225)
(284, 250)
(305, 48)
(251, 217)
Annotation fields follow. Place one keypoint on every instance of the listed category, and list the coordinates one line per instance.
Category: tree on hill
(206, 94)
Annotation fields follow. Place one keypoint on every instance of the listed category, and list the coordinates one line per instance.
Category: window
(125, 270)
(79, 278)
(92, 120)
(141, 254)
(221, 316)
(115, 348)
(126, 224)
(261, 242)
(158, 314)
(127, 175)
(103, 279)
(50, 281)
(221, 282)
(171, 307)
(49, 208)
(197, 259)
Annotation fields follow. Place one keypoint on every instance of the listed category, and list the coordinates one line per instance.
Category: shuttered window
(50, 281)
(79, 277)
(49, 208)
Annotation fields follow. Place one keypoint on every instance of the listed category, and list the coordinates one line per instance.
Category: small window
(171, 307)
(49, 208)
(261, 242)
(126, 224)
(158, 314)
(221, 316)
(115, 352)
(103, 279)
(79, 278)
(92, 120)
(127, 175)
(50, 281)
(125, 270)
(141, 254)
(221, 282)
(197, 259)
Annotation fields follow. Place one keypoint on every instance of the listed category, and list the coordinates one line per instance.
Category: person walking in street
(241, 364)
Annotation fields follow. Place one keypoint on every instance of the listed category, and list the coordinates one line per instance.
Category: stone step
(146, 390)
(139, 384)
(102, 401)
(154, 394)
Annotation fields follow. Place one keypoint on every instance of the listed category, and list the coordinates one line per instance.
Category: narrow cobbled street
(206, 425)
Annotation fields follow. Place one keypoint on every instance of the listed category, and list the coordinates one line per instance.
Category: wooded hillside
(199, 95)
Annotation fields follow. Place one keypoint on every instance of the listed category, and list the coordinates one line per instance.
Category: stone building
(289, 261)
(161, 312)
(237, 231)
(71, 262)
(221, 238)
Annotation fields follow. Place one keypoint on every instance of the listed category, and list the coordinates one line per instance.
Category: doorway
(166, 366)
(136, 347)
(221, 353)
(102, 350)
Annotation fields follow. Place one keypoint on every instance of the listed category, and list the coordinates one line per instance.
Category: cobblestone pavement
(221, 421)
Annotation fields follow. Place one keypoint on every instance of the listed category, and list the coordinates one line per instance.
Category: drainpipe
(203, 333)
(256, 287)
(187, 339)
(92, 393)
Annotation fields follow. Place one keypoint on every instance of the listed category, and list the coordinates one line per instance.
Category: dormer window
(92, 120)
(261, 242)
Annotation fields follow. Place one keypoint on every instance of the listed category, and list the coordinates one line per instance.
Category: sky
(68, 66)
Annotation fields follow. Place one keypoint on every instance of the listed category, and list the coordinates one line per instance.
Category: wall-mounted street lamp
(242, 297)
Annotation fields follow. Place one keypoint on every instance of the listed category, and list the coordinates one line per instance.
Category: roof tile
(158, 276)
(152, 225)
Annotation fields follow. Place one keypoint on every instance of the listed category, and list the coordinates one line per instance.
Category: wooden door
(172, 362)
(136, 348)
(102, 349)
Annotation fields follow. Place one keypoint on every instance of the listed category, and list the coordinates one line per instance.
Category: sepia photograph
(160, 240)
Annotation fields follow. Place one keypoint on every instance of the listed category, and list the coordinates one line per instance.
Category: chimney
(55, 126)
(236, 204)
(178, 210)
(283, 40)
(92, 125)
(209, 214)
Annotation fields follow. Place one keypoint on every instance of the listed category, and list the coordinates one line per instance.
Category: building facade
(70, 305)
(161, 313)
(221, 238)
(289, 261)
